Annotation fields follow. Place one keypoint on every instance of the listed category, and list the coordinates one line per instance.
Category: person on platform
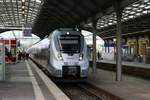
(99, 55)
(19, 55)
(27, 56)
(23, 55)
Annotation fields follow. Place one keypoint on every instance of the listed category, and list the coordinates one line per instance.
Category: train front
(72, 55)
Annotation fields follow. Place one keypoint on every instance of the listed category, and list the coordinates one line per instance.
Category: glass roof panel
(18, 12)
(136, 9)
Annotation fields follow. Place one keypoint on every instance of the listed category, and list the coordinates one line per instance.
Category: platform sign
(2, 61)
(27, 30)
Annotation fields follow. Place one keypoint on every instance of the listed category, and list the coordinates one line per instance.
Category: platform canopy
(47, 15)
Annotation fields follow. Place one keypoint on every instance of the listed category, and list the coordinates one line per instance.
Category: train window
(70, 43)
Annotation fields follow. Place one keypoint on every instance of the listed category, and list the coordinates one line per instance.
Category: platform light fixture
(23, 9)
(23, 12)
(114, 40)
(23, 0)
(68, 33)
(23, 6)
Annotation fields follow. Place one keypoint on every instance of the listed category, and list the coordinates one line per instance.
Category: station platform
(125, 63)
(24, 81)
(130, 88)
(130, 68)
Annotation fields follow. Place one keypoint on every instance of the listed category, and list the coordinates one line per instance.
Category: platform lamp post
(118, 41)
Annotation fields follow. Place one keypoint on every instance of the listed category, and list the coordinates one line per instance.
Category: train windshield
(69, 43)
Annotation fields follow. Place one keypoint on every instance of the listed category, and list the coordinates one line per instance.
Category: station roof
(47, 15)
(135, 20)
(15, 13)
(68, 13)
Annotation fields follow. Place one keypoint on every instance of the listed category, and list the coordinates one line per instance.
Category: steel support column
(108, 46)
(119, 47)
(105, 45)
(149, 39)
(94, 51)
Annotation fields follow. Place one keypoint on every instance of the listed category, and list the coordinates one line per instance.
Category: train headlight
(60, 56)
(81, 57)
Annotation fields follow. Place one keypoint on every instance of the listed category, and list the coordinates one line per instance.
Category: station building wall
(134, 48)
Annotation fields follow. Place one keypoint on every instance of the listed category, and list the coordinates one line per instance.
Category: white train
(66, 54)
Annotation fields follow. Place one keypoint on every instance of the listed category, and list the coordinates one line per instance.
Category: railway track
(75, 92)
(81, 91)
(85, 91)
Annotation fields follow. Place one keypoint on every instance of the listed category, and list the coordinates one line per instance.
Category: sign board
(9, 41)
(2, 61)
(27, 30)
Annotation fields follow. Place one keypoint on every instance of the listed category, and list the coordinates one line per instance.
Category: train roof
(40, 45)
